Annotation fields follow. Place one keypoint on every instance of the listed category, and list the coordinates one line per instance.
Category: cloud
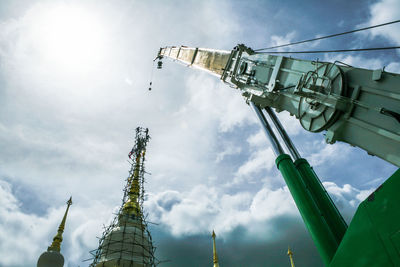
(71, 125)
(64, 131)
(257, 139)
(381, 12)
(260, 160)
(204, 208)
(18, 240)
(357, 61)
(71, 130)
(229, 151)
(184, 214)
(393, 67)
(26, 235)
(346, 197)
(282, 40)
(323, 153)
(291, 125)
(218, 101)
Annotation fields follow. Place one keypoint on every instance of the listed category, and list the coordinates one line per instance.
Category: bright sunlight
(69, 37)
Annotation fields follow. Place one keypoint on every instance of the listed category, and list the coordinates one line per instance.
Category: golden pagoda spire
(215, 256)
(132, 205)
(290, 253)
(127, 241)
(56, 245)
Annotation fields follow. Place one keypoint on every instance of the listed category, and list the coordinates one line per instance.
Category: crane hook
(159, 64)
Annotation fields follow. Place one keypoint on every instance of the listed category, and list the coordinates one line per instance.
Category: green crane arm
(353, 105)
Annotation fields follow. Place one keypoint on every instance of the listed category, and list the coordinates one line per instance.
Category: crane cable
(330, 36)
(330, 51)
(151, 77)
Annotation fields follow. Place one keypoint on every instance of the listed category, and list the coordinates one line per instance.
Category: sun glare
(70, 37)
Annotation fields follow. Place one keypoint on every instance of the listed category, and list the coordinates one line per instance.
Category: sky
(74, 81)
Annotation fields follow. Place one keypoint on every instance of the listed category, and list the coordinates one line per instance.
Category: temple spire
(52, 257)
(56, 245)
(215, 256)
(290, 253)
(131, 206)
(127, 241)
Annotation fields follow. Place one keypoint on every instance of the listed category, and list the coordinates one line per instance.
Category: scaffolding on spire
(127, 240)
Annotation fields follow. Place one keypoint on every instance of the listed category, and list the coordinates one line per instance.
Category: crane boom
(357, 106)
(211, 60)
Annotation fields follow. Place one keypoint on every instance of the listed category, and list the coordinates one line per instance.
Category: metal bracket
(377, 74)
(274, 75)
(228, 64)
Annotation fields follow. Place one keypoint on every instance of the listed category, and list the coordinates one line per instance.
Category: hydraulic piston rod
(316, 223)
(318, 192)
(276, 146)
(286, 139)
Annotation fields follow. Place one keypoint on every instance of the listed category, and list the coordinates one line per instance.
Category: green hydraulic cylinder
(325, 204)
(309, 211)
(316, 224)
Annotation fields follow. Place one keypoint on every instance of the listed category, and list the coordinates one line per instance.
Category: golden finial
(56, 245)
(290, 253)
(215, 256)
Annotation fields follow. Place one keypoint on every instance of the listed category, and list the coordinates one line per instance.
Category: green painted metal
(373, 236)
(314, 221)
(325, 204)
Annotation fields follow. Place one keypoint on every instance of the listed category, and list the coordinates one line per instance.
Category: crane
(358, 106)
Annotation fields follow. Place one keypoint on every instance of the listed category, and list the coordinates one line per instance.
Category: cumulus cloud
(230, 150)
(323, 153)
(75, 124)
(218, 101)
(381, 12)
(18, 240)
(26, 235)
(257, 139)
(346, 197)
(203, 209)
(281, 40)
(260, 160)
(191, 213)
(70, 131)
(357, 61)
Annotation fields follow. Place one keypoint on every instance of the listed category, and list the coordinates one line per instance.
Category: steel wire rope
(329, 36)
(151, 77)
(330, 51)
